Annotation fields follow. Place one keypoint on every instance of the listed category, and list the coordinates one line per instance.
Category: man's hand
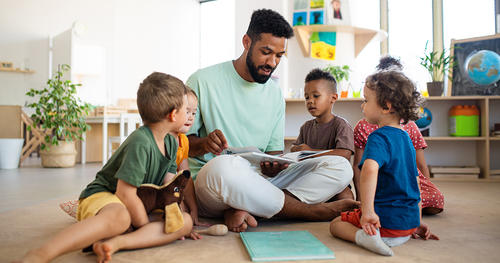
(300, 147)
(424, 232)
(370, 223)
(271, 169)
(215, 142)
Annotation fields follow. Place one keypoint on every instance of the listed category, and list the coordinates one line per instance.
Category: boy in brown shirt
(326, 131)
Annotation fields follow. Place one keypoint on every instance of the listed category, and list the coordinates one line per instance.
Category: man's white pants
(232, 182)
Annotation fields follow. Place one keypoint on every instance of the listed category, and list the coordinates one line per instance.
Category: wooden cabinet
(444, 150)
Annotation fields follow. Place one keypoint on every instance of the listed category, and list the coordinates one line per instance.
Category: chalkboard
(462, 50)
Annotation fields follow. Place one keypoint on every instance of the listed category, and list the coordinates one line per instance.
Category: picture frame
(299, 18)
(476, 67)
(338, 12)
(316, 17)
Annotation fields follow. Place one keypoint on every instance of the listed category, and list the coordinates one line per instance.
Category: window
(217, 31)
(408, 34)
(365, 14)
(466, 19)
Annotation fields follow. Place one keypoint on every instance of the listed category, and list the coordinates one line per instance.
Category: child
(326, 131)
(432, 198)
(389, 189)
(109, 204)
(182, 155)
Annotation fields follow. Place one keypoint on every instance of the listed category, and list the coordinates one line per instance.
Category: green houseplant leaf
(436, 63)
(339, 72)
(58, 112)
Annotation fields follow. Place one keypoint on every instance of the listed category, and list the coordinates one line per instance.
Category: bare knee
(118, 217)
(188, 224)
(334, 224)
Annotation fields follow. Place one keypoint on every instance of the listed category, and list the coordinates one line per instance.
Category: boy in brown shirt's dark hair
(326, 131)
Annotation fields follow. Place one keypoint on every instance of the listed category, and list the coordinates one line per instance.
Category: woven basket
(62, 155)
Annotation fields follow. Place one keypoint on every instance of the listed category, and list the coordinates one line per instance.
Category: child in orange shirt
(189, 203)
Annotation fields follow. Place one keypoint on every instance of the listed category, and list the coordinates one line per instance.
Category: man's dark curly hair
(268, 21)
(317, 73)
(389, 63)
(394, 87)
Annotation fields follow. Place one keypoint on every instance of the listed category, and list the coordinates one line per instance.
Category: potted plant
(61, 117)
(340, 73)
(436, 63)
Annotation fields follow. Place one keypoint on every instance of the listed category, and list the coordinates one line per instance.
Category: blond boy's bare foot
(103, 251)
(238, 220)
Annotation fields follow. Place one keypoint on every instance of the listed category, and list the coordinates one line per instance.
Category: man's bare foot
(103, 251)
(238, 220)
(328, 211)
(345, 194)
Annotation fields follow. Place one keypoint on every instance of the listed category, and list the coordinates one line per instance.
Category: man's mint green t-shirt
(248, 113)
(137, 161)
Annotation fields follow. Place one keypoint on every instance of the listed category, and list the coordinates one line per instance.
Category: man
(239, 106)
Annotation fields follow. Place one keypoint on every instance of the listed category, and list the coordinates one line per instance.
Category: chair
(128, 124)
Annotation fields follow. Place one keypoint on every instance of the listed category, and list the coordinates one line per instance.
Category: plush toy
(166, 197)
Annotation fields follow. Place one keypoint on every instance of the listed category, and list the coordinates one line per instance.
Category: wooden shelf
(16, 70)
(461, 97)
(450, 138)
(362, 36)
(290, 138)
(496, 138)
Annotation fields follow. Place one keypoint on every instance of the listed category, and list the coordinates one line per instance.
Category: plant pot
(435, 88)
(62, 155)
(10, 152)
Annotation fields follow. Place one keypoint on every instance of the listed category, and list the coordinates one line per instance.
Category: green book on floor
(286, 245)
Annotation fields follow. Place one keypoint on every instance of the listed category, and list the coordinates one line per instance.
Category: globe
(483, 67)
(425, 118)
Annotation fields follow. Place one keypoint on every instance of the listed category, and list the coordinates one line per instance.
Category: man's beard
(254, 70)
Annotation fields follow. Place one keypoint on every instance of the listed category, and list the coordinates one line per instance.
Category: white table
(105, 120)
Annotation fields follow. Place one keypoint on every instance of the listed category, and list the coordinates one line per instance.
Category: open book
(255, 156)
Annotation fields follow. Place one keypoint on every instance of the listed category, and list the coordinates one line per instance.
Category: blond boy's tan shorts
(92, 204)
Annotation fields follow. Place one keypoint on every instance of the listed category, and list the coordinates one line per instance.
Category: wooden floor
(29, 214)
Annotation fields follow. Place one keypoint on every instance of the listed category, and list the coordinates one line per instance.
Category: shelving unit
(362, 36)
(16, 70)
(444, 150)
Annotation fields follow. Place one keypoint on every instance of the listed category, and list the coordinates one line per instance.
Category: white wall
(154, 35)
(138, 36)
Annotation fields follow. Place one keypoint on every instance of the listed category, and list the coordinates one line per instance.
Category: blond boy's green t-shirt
(248, 113)
(137, 161)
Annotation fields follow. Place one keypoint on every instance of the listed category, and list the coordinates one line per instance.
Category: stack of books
(454, 171)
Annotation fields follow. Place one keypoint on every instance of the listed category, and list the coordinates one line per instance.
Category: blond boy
(109, 205)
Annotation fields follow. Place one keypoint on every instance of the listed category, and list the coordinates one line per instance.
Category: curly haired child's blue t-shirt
(248, 113)
(397, 195)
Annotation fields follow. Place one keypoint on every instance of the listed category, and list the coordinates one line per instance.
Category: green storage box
(464, 120)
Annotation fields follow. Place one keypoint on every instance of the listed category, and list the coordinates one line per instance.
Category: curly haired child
(390, 194)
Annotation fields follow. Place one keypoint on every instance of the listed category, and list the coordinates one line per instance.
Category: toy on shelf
(424, 123)
(464, 120)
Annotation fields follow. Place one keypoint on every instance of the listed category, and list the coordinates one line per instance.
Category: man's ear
(247, 42)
